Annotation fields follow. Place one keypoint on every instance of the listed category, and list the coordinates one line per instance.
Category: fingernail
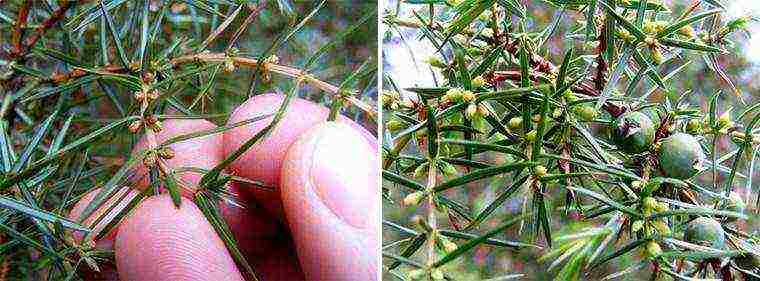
(344, 174)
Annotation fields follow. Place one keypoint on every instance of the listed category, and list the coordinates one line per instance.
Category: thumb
(161, 242)
(329, 190)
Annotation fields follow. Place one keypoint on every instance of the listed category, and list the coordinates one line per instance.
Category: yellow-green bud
(515, 123)
(540, 171)
(448, 169)
(414, 198)
(436, 274)
(415, 274)
(687, 31)
(449, 246)
(468, 96)
(531, 136)
(657, 57)
(662, 228)
(394, 125)
(653, 249)
(420, 171)
(648, 203)
(587, 113)
(436, 62)
(661, 207)
(471, 110)
(694, 126)
(478, 82)
(649, 27)
(724, 122)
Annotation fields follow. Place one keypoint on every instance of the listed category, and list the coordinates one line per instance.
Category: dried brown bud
(134, 127)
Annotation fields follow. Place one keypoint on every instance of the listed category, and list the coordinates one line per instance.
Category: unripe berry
(662, 228)
(705, 231)
(394, 125)
(680, 156)
(448, 169)
(694, 127)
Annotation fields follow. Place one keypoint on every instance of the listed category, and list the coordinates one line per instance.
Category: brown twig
(47, 24)
(18, 27)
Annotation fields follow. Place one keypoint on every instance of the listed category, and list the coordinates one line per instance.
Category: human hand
(326, 175)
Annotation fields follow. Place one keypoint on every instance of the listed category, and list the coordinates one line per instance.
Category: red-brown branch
(42, 28)
(18, 27)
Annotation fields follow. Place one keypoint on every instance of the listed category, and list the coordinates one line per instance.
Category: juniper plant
(572, 141)
(82, 80)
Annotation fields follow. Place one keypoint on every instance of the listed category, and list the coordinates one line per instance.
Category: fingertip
(161, 242)
(329, 188)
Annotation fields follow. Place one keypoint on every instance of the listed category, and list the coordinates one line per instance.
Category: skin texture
(106, 243)
(263, 161)
(202, 152)
(158, 241)
(161, 242)
(324, 185)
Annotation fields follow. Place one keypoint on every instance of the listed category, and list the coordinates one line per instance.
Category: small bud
(687, 31)
(139, 95)
(436, 274)
(449, 246)
(637, 184)
(448, 169)
(229, 65)
(540, 171)
(478, 82)
(531, 136)
(413, 198)
(157, 127)
(650, 27)
(515, 123)
(724, 122)
(435, 62)
(694, 127)
(468, 96)
(394, 125)
(653, 249)
(150, 160)
(166, 153)
(135, 126)
(420, 171)
(471, 110)
(661, 207)
(648, 203)
(415, 274)
(153, 94)
(662, 228)
(657, 57)
(587, 113)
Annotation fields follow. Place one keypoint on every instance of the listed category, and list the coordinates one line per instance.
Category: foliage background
(405, 54)
(91, 107)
